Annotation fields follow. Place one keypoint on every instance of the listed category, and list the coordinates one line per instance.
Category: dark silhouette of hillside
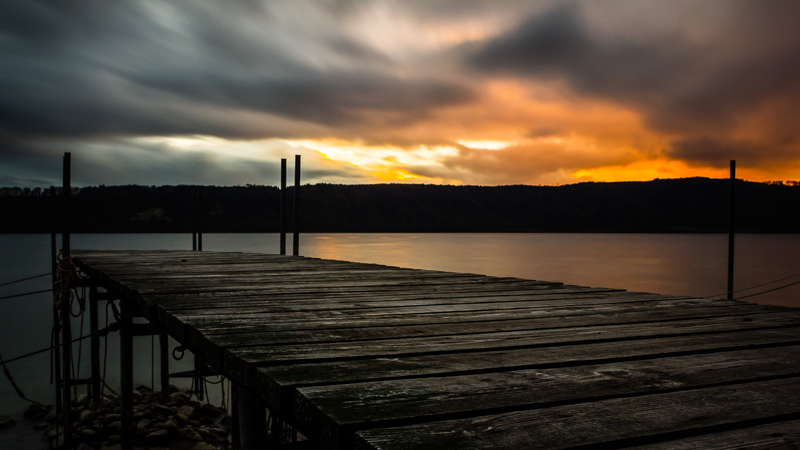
(659, 206)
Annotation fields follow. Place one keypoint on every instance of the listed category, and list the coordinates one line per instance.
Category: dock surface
(373, 357)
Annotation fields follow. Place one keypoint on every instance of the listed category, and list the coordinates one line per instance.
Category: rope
(26, 279)
(16, 388)
(755, 286)
(61, 288)
(769, 290)
(27, 293)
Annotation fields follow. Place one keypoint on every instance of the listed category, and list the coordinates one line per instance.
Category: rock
(137, 396)
(143, 424)
(173, 388)
(161, 409)
(89, 434)
(33, 411)
(112, 418)
(186, 410)
(182, 418)
(171, 424)
(178, 397)
(40, 425)
(7, 422)
(83, 446)
(115, 438)
(202, 446)
(82, 400)
(86, 417)
(157, 437)
(59, 441)
(114, 427)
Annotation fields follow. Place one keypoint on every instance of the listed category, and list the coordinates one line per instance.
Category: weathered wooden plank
(773, 436)
(223, 324)
(616, 330)
(615, 421)
(276, 383)
(337, 411)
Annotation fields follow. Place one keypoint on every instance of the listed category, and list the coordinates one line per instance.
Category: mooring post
(296, 236)
(95, 343)
(66, 328)
(163, 342)
(126, 374)
(199, 369)
(283, 207)
(194, 219)
(200, 219)
(732, 229)
(56, 324)
(252, 418)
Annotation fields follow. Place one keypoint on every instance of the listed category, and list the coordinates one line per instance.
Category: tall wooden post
(95, 343)
(283, 207)
(200, 219)
(296, 235)
(732, 229)
(56, 324)
(252, 418)
(194, 219)
(163, 343)
(66, 326)
(126, 374)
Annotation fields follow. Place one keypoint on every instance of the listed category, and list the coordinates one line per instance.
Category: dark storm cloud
(679, 83)
(717, 152)
(105, 68)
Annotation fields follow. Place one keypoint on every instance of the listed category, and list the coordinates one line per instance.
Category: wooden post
(296, 235)
(95, 344)
(200, 219)
(66, 326)
(56, 325)
(163, 342)
(126, 374)
(732, 229)
(199, 369)
(283, 207)
(252, 418)
(194, 219)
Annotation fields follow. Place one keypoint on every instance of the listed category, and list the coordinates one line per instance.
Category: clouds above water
(571, 86)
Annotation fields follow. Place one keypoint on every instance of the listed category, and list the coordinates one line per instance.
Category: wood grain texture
(372, 356)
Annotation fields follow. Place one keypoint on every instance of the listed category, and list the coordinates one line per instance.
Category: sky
(417, 91)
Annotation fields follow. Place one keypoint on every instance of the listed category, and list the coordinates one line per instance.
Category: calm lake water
(668, 264)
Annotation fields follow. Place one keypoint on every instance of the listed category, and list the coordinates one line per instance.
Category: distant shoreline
(675, 206)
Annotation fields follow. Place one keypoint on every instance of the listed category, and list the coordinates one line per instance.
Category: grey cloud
(679, 83)
(97, 68)
(717, 152)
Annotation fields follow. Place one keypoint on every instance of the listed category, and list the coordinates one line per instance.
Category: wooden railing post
(283, 208)
(732, 229)
(66, 328)
(296, 236)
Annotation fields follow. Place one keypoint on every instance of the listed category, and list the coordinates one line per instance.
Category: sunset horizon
(536, 93)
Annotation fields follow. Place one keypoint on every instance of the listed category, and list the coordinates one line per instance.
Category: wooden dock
(374, 357)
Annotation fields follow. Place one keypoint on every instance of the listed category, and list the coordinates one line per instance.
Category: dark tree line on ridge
(690, 205)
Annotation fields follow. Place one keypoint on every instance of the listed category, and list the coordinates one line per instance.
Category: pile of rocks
(171, 422)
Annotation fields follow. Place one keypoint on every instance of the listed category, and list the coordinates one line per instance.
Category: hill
(696, 205)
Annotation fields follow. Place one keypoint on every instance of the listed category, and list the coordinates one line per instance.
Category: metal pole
(731, 232)
(126, 374)
(95, 343)
(66, 328)
(200, 219)
(296, 235)
(283, 206)
(194, 219)
(163, 342)
(252, 421)
(56, 325)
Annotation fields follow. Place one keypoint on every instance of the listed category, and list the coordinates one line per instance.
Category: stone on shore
(6, 422)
